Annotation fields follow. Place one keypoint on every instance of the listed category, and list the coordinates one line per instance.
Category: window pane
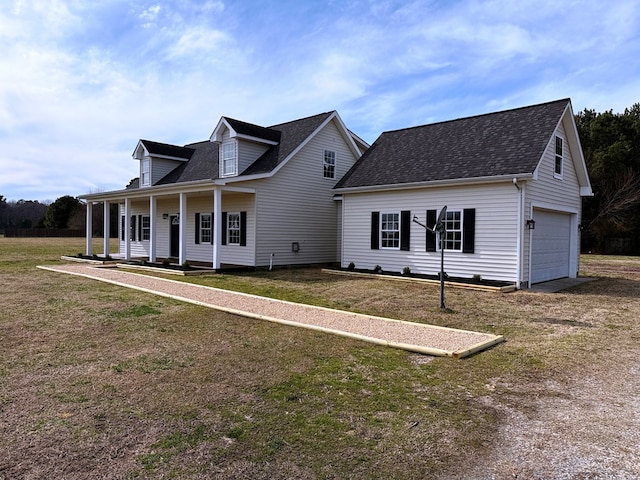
(233, 229)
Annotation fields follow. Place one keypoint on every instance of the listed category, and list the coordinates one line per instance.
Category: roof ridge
(302, 119)
(526, 107)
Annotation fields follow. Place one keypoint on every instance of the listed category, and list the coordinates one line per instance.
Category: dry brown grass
(98, 381)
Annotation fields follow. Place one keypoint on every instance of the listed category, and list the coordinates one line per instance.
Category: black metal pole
(442, 270)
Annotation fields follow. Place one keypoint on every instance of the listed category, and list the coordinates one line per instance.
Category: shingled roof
(167, 150)
(510, 142)
(204, 162)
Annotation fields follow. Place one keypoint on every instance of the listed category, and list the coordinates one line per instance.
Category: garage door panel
(550, 248)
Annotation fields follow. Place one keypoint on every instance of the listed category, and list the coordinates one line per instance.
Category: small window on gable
(228, 159)
(557, 172)
(329, 164)
(145, 170)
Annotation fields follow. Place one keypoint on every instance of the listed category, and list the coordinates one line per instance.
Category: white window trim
(555, 157)
(325, 164)
(461, 212)
(229, 229)
(146, 229)
(382, 214)
(223, 172)
(145, 182)
(208, 229)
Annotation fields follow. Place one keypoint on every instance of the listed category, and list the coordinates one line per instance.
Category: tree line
(66, 212)
(610, 222)
(611, 146)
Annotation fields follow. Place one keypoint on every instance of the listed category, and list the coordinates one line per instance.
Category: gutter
(434, 183)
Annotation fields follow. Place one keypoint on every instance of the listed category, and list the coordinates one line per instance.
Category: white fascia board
(138, 156)
(255, 139)
(348, 136)
(171, 189)
(216, 136)
(436, 183)
(576, 150)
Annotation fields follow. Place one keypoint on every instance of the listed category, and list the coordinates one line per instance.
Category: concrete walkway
(414, 337)
(554, 286)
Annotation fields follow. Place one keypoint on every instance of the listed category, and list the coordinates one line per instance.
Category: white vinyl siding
(548, 193)
(495, 250)
(160, 167)
(296, 205)
(249, 152)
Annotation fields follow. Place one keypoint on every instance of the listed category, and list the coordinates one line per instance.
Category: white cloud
(81, 82)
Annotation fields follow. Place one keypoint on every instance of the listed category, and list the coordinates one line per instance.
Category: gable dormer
(158, 159)
(241, 144)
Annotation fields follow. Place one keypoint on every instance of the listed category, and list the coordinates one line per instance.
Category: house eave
(436, 183)
(142, 192)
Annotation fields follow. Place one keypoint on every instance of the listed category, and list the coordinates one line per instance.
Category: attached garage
(550, 245)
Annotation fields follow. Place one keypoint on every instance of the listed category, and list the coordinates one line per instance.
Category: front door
(174, 236)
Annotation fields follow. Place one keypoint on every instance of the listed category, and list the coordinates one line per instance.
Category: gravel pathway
(415, 337)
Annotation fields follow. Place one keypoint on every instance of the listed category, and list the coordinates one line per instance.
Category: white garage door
(551, 241)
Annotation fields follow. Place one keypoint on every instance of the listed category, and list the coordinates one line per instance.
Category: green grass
(124, 384)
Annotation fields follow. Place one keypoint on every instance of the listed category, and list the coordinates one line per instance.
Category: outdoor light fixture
(531, 224)
(165, 216)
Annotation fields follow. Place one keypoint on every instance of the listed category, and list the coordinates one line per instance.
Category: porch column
(127, 229)
(88, 249)
(152, 228)
(183, 228)
(106, 225)
(217, 227)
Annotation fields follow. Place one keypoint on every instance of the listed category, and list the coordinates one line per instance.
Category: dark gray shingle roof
(503, 143)
(244, 128)
(156, 148)
(204, 161)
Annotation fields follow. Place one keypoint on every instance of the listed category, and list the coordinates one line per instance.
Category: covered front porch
(210, 225)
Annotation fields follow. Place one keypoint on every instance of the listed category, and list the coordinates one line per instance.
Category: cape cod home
(512, 182)
(247, 196)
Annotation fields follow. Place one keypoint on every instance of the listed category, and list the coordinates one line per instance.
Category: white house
(248, 196)
(512, 182)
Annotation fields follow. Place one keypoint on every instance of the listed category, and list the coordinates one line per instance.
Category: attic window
(229, 163)
(329, 164)
(145, 168)
(557, 172)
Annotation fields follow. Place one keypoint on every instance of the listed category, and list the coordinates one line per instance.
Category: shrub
(351, 267)
(377, 269)
(477, 277)
(406, 271)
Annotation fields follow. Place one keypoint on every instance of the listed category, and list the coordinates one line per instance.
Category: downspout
(519, 234)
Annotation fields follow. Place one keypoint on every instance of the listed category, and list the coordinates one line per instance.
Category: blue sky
(82, 80)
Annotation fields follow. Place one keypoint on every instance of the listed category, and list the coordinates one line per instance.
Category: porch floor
(415, 337)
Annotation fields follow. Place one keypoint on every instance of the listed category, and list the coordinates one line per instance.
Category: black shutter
(468, 230)
(197, 228)
(122, 228)
(140, 228)
(243, 229)
(375, 230)
(405, 229)
(224, 228)
(431, 236)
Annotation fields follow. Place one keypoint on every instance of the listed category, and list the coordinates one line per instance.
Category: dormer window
(228, 157)
(145, 170)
